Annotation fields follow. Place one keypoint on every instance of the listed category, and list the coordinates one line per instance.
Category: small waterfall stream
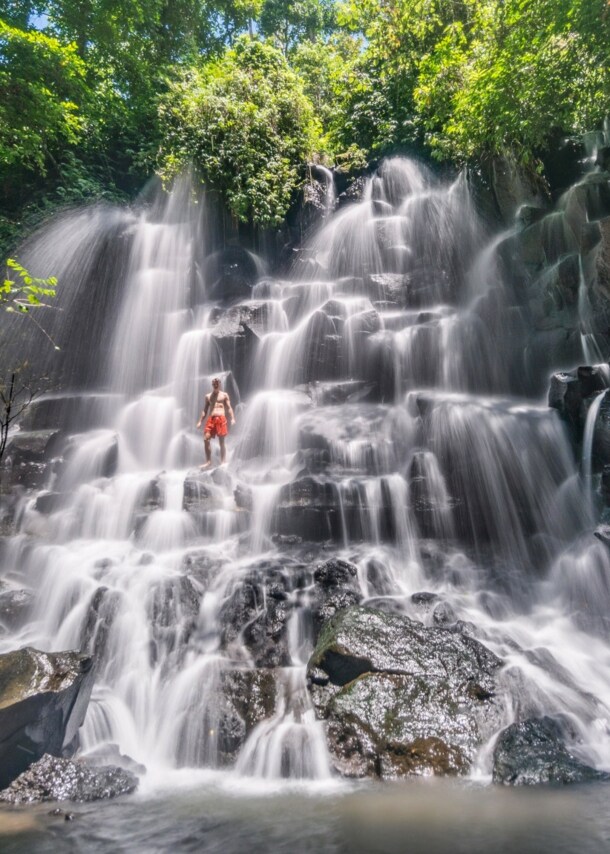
(383, 378)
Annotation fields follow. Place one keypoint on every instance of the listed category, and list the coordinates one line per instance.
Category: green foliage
(521, 71)
(246, 124)
(24, 291)
(21, 292)
(289, 22)
(474, 77)
(41, 83)
(110, 90)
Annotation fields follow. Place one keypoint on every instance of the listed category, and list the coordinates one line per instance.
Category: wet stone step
(71, 411)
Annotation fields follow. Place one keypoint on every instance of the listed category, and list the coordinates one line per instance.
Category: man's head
(216, 384)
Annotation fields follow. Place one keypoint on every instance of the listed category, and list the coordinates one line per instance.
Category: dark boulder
(399, 698)
(33, 446)
(109, 753)
(173, 608)
(43, 700)
(55, 779)
(49, 502)
(572, 392)
(255, 616)
(99, 618)
(69, 412)
(335, 588)
(243, 497)
(231, 273)
(199, 493)
(308, 508)
(246, 697)
(533, 752)
(14, 608)
(342, 391)
(320, 356)
(238, 347)
(443, 615)
(601, 436)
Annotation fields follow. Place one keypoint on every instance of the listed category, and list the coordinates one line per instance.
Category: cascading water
(378, 407)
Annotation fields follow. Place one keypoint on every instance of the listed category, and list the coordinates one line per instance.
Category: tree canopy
(95, 95)
(246, 123)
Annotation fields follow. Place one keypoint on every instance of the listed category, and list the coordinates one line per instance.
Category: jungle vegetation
(96, 95)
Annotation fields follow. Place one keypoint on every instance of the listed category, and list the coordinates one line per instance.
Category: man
(217, 407)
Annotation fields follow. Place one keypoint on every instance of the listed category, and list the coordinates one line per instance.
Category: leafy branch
(21, 292)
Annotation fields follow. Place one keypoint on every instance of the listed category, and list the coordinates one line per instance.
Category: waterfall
(382, 417)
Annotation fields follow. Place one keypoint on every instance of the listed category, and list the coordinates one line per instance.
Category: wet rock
(247, 698)
(256, 616)
(43, 700)
(69, 412)
(14, 608)
(602, 532)
(231, 273)
(601, 436)
(199, 494)
(202, 567)
(33, 446)
(533, 752)
(379, 578)
(256, 315)
(26, 475)
(173, 608)
(48, 502)
(399, 698)
(529, 214)
(320, 358)
(512, 185)
(55, 779)
(342, 391)
(238, 347)
(286, 542)
(110, 754)
(153, 497)
(243, 497)
(424, 598)
(570, 393)
(309, 508)
(97, 624)
(392, 288)
(601, 289)
(443, 615)
(335, 588)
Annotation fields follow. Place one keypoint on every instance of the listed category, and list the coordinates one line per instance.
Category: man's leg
(207, 444)
(223, 449)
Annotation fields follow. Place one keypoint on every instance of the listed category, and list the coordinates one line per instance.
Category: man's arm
(228, 409)
(204, 412)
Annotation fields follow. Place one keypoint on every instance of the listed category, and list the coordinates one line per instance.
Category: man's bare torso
(216, 403)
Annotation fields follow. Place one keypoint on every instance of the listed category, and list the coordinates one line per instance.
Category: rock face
(399, 698)
(256, 615)
(55, 779)
(533, 752)
(571, 393)
(246, 698)
(43, 700)
(336, 587)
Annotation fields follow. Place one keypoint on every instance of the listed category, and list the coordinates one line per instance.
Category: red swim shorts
(216, 425)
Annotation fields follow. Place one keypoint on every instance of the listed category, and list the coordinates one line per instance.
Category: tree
(246, 124)
(20, 292)
(521, 72)
(289, 22)
(41, 85)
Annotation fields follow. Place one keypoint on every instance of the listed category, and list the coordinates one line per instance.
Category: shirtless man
(217, 407)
